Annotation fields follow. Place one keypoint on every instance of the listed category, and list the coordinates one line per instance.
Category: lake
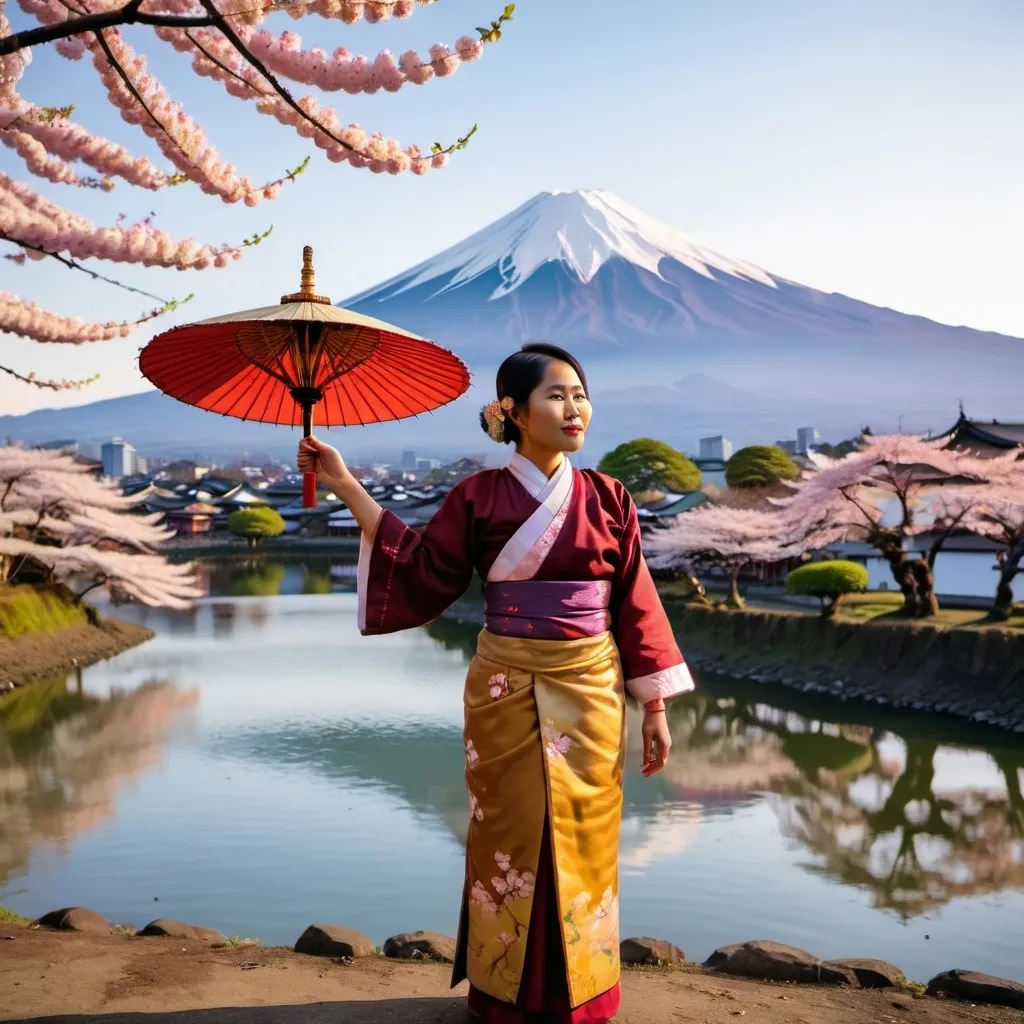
(259, 766)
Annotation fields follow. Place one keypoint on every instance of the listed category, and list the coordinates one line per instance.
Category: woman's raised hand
(316, 457)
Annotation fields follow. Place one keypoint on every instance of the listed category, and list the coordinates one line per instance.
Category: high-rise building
(806, 439)
(118, 458)
(787, 446)
(717, 447)
(408, 460)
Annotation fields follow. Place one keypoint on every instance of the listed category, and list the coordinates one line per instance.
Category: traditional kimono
(572, 622)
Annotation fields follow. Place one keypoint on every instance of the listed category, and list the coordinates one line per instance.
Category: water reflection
(66, 754)
(340, 757)
(873, 808)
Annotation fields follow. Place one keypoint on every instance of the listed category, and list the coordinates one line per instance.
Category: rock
(177, 930)
(642, 950)
(413, 945)
(76, 919)
(978, 988)
(776, 962)
(872, 973)
(333, 940)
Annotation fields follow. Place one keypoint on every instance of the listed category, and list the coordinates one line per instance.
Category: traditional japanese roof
(241, 494)
(196, 509)
(981, 435)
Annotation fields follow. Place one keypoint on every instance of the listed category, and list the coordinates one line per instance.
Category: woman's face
(558, 412)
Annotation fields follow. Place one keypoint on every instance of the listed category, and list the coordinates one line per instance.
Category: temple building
(984, 437)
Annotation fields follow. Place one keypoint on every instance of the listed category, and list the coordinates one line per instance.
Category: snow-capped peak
(580, 229)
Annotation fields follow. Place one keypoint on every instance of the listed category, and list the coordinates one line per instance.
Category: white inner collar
(530, 476)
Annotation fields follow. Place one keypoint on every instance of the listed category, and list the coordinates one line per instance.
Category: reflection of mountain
(64, 756)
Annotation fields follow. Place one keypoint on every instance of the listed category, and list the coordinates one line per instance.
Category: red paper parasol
(277, 363)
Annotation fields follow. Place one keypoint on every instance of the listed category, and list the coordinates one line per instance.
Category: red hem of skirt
(544, 991)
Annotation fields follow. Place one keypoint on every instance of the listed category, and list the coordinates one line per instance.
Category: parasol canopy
(277, 364)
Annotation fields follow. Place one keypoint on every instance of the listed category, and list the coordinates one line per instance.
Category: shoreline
(965, 674)
(37, 657)
(335, 974)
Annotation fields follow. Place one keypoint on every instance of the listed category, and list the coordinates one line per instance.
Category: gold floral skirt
(545, 740)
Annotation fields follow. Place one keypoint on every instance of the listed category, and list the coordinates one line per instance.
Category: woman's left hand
(657, 742)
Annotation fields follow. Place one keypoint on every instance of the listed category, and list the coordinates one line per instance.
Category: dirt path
(68, 977)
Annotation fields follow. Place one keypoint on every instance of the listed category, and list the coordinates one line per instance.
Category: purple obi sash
(547, 609)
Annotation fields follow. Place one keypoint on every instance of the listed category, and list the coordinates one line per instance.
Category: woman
(572, 622)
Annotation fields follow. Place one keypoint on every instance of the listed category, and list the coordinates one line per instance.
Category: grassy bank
(28, 611)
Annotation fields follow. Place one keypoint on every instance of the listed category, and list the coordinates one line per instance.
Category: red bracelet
(655, 705)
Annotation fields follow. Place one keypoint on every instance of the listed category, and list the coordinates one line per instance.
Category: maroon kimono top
(408, 578)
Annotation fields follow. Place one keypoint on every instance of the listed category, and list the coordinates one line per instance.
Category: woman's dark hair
(520, 374)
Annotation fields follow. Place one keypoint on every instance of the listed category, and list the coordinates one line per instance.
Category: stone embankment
(759, 959)
(977, 674)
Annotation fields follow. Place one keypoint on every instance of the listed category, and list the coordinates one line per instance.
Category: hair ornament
(494, 415)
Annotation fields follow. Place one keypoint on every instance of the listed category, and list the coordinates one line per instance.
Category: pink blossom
(28, 217)
(497, 686)
(716, 535)
(471, 755)
(894, 481)
(479, 895)
(57, 514)
(28, 320)
(502, 860)
(555, 743)
(475, 811)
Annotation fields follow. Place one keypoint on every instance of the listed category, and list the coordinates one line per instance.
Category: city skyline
(812, 183)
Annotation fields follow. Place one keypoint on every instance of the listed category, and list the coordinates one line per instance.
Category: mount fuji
(591, 272)
(678, 342)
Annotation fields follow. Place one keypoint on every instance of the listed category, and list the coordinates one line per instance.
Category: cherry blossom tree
(717, 537)
(892, 489)
(229, 45)
(61, 527)
(998, 514)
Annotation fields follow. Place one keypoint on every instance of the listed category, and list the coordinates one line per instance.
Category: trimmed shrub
(760, 465)
(256, 523)
(646, 465)
(829, 581)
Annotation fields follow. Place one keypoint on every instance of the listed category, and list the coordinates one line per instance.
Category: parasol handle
(308, 479)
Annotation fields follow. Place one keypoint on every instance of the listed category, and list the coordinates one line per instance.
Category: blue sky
(861, 146)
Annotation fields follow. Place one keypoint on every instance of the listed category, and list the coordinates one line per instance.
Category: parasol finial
(307, 286)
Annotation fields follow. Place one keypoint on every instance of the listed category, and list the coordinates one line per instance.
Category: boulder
(414, 945)
(642, 950)
(333, 940)
(978, 988)
(76, 919)
(872, 973)
(776, 962)
(177, 930)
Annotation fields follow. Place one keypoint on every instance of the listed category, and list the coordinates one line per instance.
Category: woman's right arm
(405, 577)
(329, 466)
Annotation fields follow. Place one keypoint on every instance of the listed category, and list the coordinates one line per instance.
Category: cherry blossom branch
(27, 218)
(49, 385)
(71, 142)
(129, 14)
(27, 320)
(74, 265)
